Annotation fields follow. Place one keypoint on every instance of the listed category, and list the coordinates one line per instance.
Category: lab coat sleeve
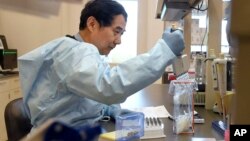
(94, 79)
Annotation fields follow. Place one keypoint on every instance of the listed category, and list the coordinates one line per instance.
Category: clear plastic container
(130, 126)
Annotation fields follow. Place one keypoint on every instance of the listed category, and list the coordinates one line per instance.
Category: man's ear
(92, 23)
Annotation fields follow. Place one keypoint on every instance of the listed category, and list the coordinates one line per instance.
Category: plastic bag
(182, 91)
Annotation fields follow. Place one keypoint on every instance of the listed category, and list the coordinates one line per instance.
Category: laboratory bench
(156, 95)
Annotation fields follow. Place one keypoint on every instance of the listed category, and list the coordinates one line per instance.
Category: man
(69, 79)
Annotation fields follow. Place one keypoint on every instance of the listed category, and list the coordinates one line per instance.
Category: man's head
(102, 23)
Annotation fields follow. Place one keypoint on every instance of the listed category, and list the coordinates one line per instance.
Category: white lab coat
(70, 80)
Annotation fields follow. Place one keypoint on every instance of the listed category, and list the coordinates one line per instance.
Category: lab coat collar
(78, 37)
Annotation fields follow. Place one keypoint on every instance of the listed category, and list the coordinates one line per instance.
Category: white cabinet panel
(4, 99)
(4, 85)
(9, 90)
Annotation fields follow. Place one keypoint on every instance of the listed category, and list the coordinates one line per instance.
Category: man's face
(106, 38)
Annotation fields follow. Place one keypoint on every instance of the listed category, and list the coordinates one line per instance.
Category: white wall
(150, 28)
(155, 26)
(28, 24)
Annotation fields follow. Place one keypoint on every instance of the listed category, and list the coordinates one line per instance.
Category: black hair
(103, 11)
